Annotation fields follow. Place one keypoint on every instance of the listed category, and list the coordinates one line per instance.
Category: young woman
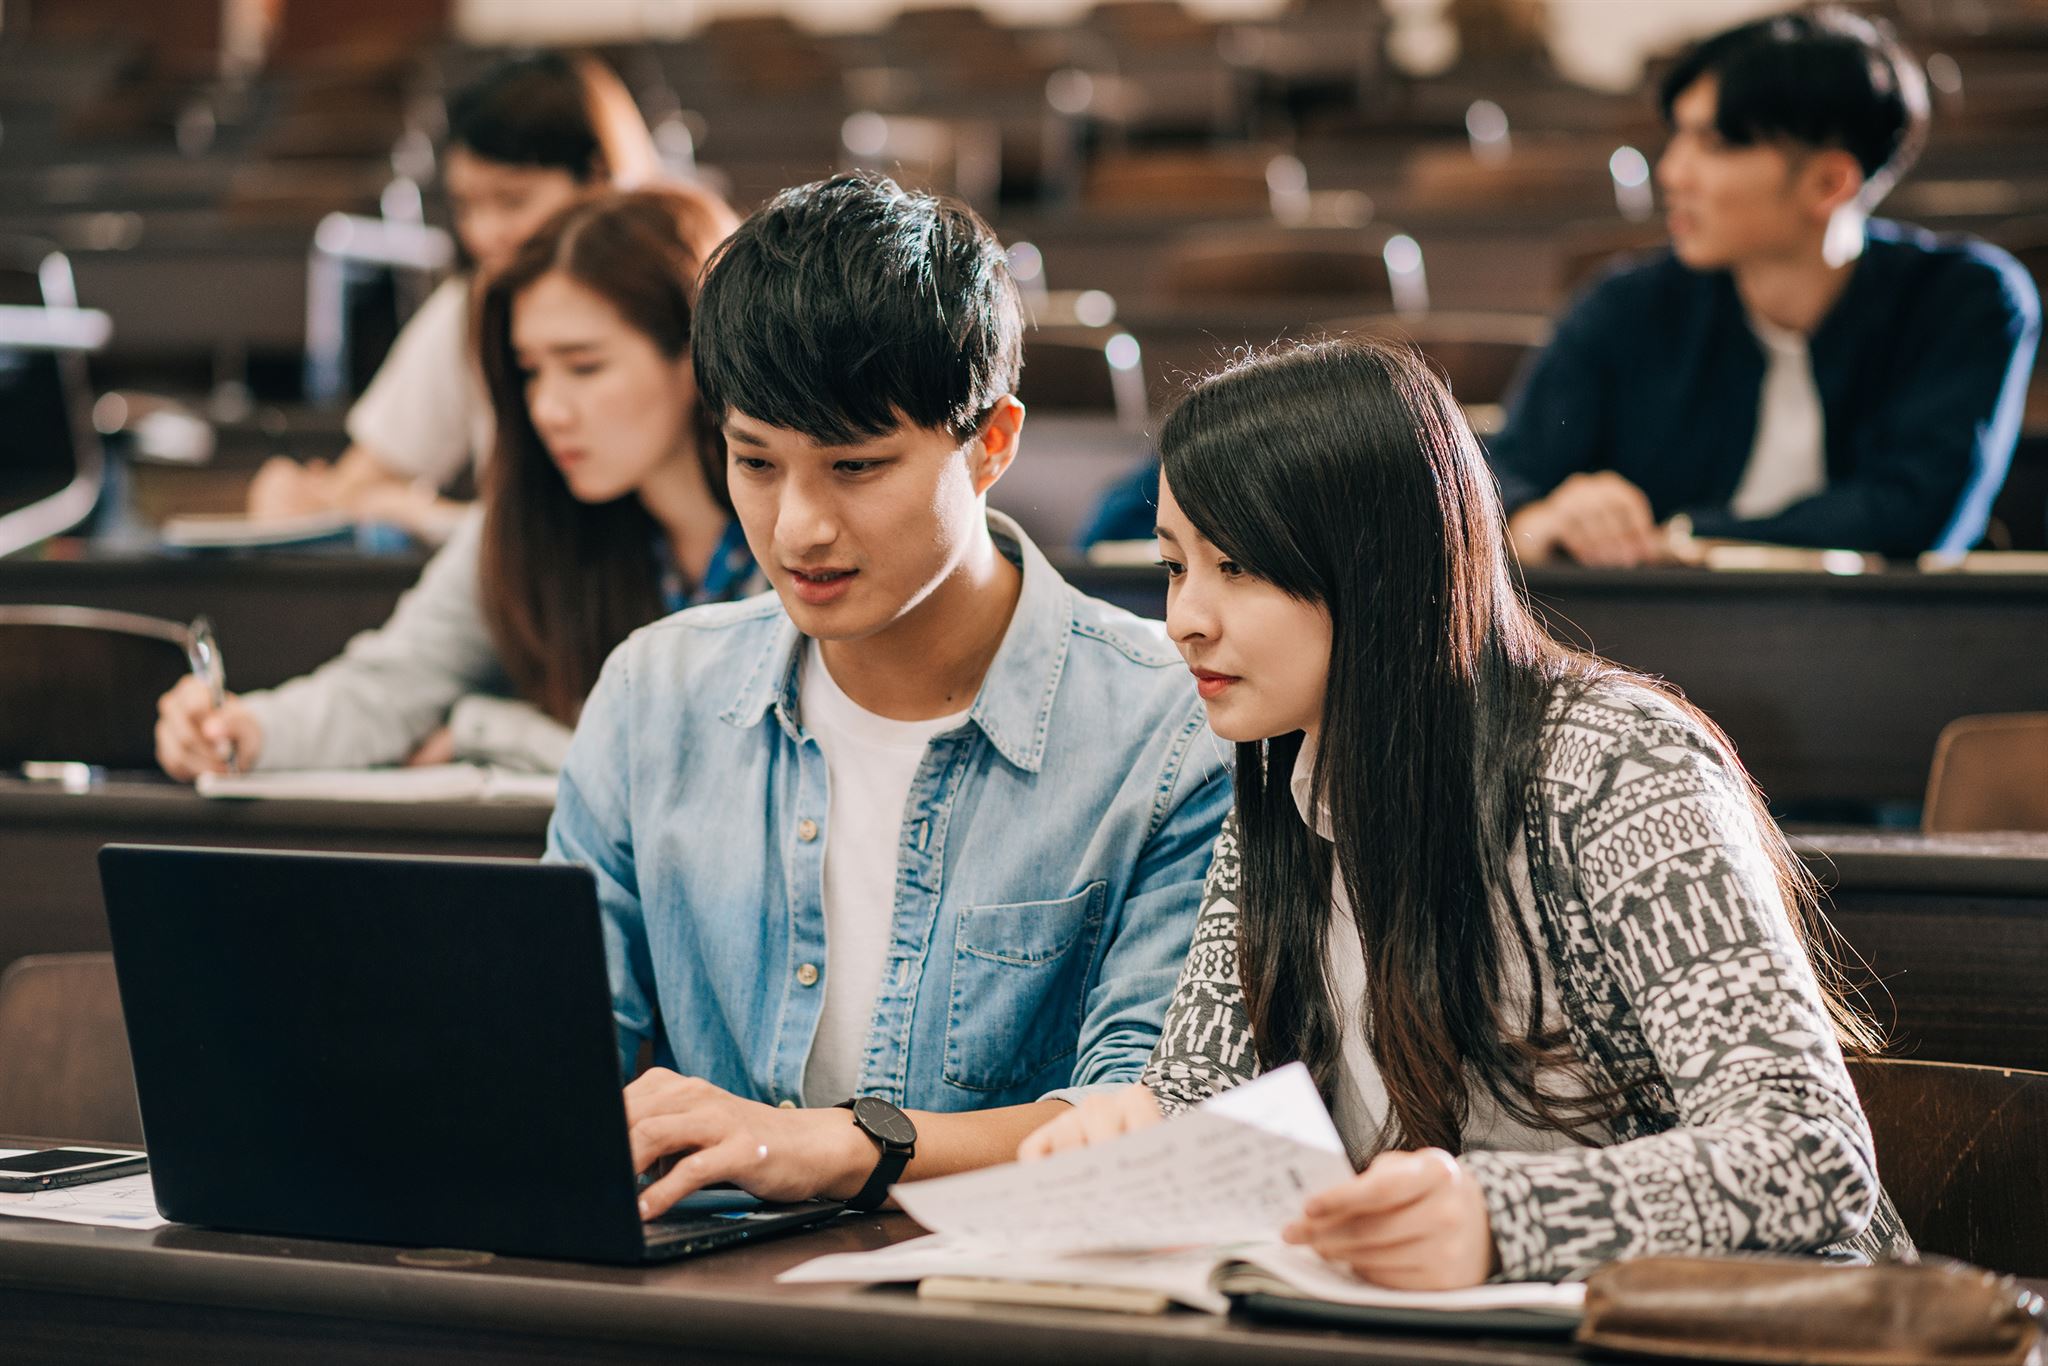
(1521, 913)
(604, 507)
(523, 142)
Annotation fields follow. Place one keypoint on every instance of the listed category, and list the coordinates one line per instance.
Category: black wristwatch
(894, 1134)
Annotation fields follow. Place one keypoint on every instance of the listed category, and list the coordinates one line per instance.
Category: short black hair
(528, 111)
(845, 308)
(1825, 78)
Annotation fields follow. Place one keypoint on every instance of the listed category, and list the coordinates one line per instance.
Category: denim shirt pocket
(1020, 977)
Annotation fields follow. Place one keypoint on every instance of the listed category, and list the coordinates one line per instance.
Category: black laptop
(416, 1051)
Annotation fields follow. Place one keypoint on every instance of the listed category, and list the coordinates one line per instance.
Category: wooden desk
(1834, 688)
(1954, 932)
(50, 841)
(81, 1295)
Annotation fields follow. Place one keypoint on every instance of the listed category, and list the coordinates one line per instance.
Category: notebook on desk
(414, 1051)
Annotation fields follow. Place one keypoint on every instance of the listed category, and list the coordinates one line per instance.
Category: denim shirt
(1049, 865)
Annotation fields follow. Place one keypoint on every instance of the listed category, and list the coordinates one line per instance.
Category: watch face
(884, 1121)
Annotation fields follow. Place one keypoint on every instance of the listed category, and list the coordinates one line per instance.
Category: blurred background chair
(1585, 250)
(1211, 182)
(1963, 1152)
(1479, 354)
(67, 1073)
(1365, 267)
(958, 157)
(1989, 773)
(1085, 371)
(79, 685)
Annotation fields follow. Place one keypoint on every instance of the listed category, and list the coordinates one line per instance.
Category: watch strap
(888, 1167)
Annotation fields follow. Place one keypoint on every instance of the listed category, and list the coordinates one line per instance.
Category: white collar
(1302, 784)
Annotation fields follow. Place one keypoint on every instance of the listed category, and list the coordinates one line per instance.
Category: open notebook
(1188, 1211)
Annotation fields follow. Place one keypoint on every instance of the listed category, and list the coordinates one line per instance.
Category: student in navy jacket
(1789, 370)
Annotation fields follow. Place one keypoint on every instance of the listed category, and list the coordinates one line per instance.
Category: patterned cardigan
(1676, 965)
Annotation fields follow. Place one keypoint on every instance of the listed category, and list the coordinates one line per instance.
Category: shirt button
(807, 830)
(807, 975)
(785, 1104)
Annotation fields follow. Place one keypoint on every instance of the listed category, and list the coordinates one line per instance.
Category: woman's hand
(438, 748)
(1409, 1221)
(286, 488)
(1097, 1119)
(192, 737)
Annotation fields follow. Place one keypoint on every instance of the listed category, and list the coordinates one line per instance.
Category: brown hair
(562, 581)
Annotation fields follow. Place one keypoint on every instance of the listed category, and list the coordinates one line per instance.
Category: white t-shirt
(1361, 1105)
(1788, 460)
(870, 762)
(426, 412)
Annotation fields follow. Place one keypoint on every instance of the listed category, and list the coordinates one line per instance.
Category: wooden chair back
(1586, 250)
(1093, 371)
(1354, 266)
(66, 1073)
(1989, 773)
(1478, 354)
(1209, 182)
(80, 685)
(1963, 1152)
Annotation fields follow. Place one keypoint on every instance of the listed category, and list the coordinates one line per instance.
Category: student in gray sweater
(1520, 913)
(604, 508)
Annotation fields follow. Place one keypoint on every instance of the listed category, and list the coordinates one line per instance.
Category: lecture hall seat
(1963, 1152)
(80, 685)
(1989, 773)
(1479, 354)
(67, 1074)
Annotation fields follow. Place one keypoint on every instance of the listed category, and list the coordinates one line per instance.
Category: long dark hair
(1343, 473)
(563, 581)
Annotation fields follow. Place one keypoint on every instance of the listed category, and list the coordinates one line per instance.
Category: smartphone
(48, 1168)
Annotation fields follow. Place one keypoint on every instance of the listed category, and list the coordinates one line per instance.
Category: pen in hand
(204, 653)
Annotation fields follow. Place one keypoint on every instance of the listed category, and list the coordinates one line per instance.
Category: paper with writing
(1235, 1168)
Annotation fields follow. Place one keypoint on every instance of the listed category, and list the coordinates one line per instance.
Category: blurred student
(604, 508)
(1790, 370)
(523, 142)
(925, 829)
(1520, 912)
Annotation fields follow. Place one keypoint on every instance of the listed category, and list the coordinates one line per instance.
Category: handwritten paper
(1234, 1168)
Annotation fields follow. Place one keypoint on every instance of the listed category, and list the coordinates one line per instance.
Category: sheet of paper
(1181, 1274)
(1220, 1173)
(428, 783)
(124, 1202)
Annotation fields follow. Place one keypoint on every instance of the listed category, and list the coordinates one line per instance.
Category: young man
(927, 826)
(1789, 371)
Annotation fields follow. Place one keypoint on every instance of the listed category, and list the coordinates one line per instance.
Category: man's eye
(1174, 568)
(750, 463)
(856, 466)
(1231, 568)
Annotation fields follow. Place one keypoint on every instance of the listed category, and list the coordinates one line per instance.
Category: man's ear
(1831, 178)
(995, 446)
